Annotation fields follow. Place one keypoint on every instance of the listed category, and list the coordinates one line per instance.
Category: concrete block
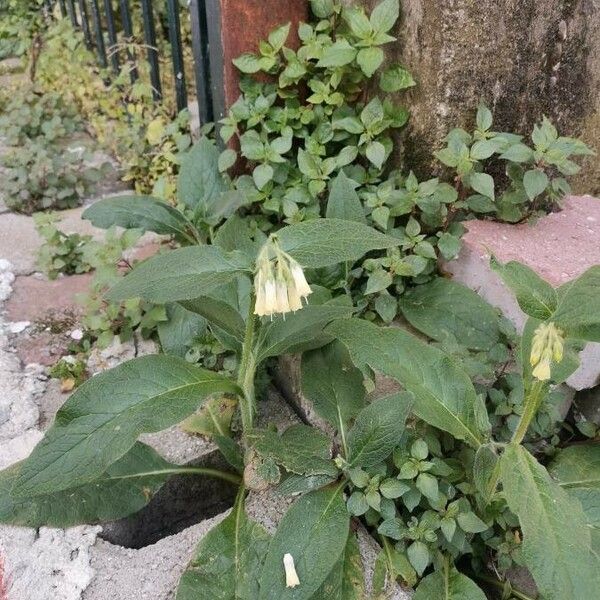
(559, 247)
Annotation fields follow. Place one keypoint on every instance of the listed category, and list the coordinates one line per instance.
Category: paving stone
(19, 242)
(559, 247)
(37, 299)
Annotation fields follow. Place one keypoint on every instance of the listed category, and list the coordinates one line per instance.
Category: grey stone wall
(525, 58)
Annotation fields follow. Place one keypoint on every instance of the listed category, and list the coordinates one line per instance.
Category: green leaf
(299, 331)
(448, 585)
(301, 449)
(324, 242)
(418, 555)
(518, 153)
(140, 212)
(333, 385)
(227, 561)
(182, 274)
(482, 183)
(396, 78)
(123, 489)
(535, 183)
(471, 523)
(484, 117)
(577, 470)
(278, 36)
(369, 59)
(578, 310)
(199, 183)
(556, 540)
(220, 314)
(314, 531)
(322, 8)
(343, 202)
(444, 394)
(385, 15)
(227, 159)
(377, 429)
(103, 418)
(483, 149)
(444, 308)
(177, 334)
(376, 153)
(449, 245)
(340, 53)
(536, 297)
(247, 63)
(262, 174)
(346, 580)
(213, 419)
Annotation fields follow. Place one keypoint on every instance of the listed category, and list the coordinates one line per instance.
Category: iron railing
(107, 23)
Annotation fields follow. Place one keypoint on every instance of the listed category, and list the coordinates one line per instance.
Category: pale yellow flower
(291, 577)
(547, 345)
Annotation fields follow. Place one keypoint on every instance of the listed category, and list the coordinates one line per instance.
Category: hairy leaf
(445, 308)
(182, 274)
(141, 212)
(333, 385)
(346, 580)
(227, 561)
(103, 418)
(123, 489)
(324, 242)
(448, 585)
(314, 531)
(378, 429)
(444, 394)
(343, 202)
(556, 540)
(536, 297)
(178, 332)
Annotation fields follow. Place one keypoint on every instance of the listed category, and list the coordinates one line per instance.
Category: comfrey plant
(420, 467)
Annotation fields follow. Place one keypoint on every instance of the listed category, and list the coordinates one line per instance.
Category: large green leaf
(444, 394)
(182, 274)
(578, 311)
(227, 561)
(378, 429)
(123, 489)
(333, 385)
(448, 585)
(179, 331)
(103, 418)
(445, 308)
(577, 470)
(301, 449)
(324, 242)
(346, 580)
(556, 539)
(299, 331)
(200, 184)
(314, 531)
(343, 202)
(536, 297)
(220, 314)
(141, 212)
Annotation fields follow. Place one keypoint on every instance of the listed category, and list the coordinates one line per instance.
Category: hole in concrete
(183, 501)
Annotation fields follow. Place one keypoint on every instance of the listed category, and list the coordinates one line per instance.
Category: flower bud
(291, 577)
(547, 345)
(542, 370)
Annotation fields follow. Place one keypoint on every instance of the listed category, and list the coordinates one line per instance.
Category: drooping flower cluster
(547, 345)
(279, 282)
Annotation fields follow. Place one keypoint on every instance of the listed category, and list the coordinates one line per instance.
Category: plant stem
(532, 404)
(229, 477)
(248, 370)
(499, 585)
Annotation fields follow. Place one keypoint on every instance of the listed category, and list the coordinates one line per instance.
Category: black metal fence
(105, 24)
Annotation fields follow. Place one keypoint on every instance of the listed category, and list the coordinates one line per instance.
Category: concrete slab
(559, 247)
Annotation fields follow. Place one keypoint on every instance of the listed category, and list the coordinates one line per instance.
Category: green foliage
(534, 176)
(60, 252)
(71, 371)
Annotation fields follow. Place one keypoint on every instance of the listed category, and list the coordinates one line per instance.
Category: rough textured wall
(525, 58)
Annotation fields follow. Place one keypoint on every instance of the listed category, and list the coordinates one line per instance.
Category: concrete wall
(525, 58)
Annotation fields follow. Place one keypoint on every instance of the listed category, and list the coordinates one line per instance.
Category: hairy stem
(247, 371)
(532, 404)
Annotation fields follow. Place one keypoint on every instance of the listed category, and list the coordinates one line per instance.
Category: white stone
(18, 327)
